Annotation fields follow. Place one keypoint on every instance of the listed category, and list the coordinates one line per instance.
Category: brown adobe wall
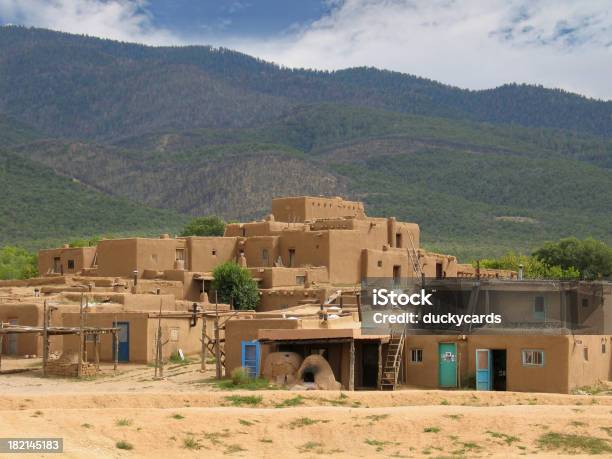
(283, 298)
(205, 253)
(238, 330)
(81, 256)
(552, 377)
(255, 247)
(140, 341)
(299, 209)
(288, 277)
(117, 257)
(380, 263)
(597, 368)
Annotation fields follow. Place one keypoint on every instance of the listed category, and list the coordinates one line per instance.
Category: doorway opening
(499, 369)
(369, 365)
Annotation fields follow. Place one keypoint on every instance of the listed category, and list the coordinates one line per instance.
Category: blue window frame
(251, 351)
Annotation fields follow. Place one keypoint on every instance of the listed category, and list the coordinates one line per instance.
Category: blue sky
(233, 18)
(473, 44)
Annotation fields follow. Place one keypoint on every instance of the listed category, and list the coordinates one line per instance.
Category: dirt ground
(187, 414)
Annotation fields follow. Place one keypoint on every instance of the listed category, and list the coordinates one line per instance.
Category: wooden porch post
(97, 350)
(380, 363)
(351, 383)
(204, 348)
(116, 344)
(45, 342)
(217, 339)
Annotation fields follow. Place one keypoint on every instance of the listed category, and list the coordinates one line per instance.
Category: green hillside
(85, 87)
(99, 137)
(476, 190)
(38, 207)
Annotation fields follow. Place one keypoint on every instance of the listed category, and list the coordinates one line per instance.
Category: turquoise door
(484, 372)
(448, 364)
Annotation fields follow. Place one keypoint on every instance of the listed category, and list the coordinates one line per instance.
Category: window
(380, 263)
(264, 257)
(70, 264)
(300, 280)
(439, 271)
(585, 302)
(214, 252)
(397, 275)
(291, 257)
(585, 353)
(174, 334)
(416, 355)
(398, 240)
(539, 308)
(603, 347)
(531, 357)
(180, 255)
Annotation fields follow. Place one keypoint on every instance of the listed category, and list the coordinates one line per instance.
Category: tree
(533, 267)
(234, 284)
(17, 263)
(593, 259)
(205, 226)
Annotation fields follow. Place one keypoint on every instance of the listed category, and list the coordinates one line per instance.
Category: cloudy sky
(472, 44)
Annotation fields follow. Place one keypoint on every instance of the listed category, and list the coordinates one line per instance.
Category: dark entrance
(369, 364)
(499, 369)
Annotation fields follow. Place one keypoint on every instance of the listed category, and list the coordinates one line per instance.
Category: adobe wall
(140, 340)
(522, 305)
(82, 257)
(206, 253)
(179, 335)
(380, 263)
(24, 314)
(552, 377)
(299, 209)
(255, 247)
(157, 254)
(597, 368)
(238, 330)
(117, 257)
(283, 298)
(286, 277)
(311, 248)
(429, 261)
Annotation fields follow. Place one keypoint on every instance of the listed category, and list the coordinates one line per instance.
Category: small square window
(300, 280)
(531, 357)
(380, 263)
(416, 355)
(70, 264)
(214, 252)
(174, 334)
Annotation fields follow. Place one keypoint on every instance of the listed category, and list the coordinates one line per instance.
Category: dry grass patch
(574, 444)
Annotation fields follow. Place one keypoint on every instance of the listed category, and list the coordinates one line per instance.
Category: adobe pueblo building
(309, 257)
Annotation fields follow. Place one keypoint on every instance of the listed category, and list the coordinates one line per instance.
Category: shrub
(205, 226)
(235, 285)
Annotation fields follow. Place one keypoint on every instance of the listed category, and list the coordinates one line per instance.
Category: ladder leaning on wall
(393, 360)
(413, 254)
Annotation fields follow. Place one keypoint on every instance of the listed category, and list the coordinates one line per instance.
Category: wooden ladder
(395, 351)
(413, 254)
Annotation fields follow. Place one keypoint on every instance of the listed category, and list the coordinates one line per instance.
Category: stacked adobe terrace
(305, 249)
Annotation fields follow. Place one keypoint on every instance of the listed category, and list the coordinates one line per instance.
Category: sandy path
(186, 415)
(412, 431)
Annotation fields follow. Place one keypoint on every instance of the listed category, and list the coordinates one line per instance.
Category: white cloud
(472, 44)
(125, 20)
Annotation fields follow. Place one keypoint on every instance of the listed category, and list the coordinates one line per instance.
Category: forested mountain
(99, 136)
(87, 87)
